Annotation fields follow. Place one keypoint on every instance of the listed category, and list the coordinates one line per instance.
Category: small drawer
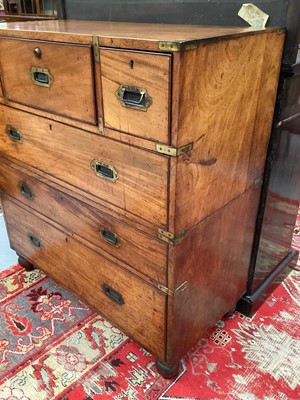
(135, 88)
(134, 306)
(144, 253)
(121, 175)
(54, 77)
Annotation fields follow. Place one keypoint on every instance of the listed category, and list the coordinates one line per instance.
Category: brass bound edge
(177, 46)
(100, 125)
(173, 151)
(169, 237)
(96, 49)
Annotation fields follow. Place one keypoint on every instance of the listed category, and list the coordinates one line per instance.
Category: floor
(7, 256)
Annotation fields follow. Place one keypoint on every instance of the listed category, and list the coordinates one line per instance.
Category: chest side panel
(220, 91)
(211, 267)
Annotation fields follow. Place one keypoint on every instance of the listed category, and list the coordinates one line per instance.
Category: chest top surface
(122, 34)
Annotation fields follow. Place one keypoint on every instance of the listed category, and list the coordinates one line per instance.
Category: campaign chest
(131, 160)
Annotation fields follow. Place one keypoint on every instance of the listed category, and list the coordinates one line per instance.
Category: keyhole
(131, 64)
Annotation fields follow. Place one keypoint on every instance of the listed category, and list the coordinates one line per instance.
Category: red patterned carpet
(54, 347)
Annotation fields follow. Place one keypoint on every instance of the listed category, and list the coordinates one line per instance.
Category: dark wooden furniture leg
(25, 264)
(165, 371)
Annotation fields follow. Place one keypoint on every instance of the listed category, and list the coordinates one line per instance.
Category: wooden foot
(230, 312)
(165, 371)
(25, 264)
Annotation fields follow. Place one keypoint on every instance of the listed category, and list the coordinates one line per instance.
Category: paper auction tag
(253, 15)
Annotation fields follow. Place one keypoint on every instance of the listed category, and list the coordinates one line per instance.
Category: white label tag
(253, 15)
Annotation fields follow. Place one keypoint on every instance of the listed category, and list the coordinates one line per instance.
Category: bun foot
(230, 312)
(165, 371)
(25, 264)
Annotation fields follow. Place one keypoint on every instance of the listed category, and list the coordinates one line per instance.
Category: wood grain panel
(265, 107)
(67, 153)
(72, 90)
(84, 272)
(214, 260)
(145, 254)
(217, 113)
(143, 70)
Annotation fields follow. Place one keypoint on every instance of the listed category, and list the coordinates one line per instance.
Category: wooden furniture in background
(131, 164)
(26, 10)
(41, 8)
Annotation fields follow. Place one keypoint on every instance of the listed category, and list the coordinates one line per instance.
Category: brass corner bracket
(169, 292)
(169, 237)
(177, 45)
(173, 151)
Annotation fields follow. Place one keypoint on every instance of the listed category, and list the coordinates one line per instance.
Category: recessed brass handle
(14, 134)
(113, 294)
(110, 237)
(104, 171)
(34, 240)
(25, 190)
(134, 97)
(41, 76)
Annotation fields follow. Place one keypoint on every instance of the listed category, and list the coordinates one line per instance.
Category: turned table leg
(25, 264)
(165, 371)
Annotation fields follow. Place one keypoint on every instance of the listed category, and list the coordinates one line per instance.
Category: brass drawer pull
(41, 76)
(134, 97)
(105, 171)
(14, 134)
(34, 240)
(25, 190)
(113, 294)
(110, 237)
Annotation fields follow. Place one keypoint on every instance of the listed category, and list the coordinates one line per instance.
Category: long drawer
(130, 178)
(143, 252)
(55, 77)
(136, 307)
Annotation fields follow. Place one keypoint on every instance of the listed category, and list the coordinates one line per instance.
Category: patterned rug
(52, 346)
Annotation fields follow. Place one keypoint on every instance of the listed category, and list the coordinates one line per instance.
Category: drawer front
(49, 76)
(138, 180)
(128, 302)
(144, 253)
(135, 89)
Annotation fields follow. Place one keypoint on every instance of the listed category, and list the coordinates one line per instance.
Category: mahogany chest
(131, 159)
